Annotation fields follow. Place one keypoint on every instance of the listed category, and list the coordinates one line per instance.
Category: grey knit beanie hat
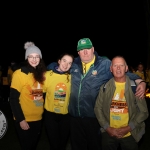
(31, 48)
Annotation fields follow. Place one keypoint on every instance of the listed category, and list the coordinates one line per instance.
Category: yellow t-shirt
(31, 95)
(86, 66)
(148, 77)
(119, 116)
(141, 74)
(57, 88)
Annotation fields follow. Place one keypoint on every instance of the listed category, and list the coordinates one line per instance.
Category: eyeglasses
(36, 57)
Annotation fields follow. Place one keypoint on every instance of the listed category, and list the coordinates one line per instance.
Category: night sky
(115, 28)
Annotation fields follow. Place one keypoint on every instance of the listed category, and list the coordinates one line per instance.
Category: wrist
(142, 81)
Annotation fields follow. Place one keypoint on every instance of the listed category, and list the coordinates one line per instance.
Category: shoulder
(17, 72)
(101, 60)
(104, 60)
(49, 72)
(51, 66)
(108, 84)
(18, 75)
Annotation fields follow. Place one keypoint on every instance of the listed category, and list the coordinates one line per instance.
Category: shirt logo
(94, 72)
(83, 42)
(76, 70)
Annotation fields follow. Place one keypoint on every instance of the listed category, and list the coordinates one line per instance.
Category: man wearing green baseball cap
(89, 71)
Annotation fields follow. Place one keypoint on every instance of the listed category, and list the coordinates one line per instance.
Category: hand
(140, 90)
(118, 132)
(24, 125)
(123, 131)
(112, 132)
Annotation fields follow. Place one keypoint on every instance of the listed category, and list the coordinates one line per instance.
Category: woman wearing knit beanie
(26, 97)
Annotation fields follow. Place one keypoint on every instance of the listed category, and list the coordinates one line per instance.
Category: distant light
(148, 95)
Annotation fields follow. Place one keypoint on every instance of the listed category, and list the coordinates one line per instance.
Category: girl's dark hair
(62, 55)
(39, 71)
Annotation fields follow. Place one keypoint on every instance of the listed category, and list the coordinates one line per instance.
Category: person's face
(86, 55)
(65, 63)
(34, 59)
(118, 67)
(140, 67)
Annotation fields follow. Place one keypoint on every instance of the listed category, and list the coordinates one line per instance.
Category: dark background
(114, 27)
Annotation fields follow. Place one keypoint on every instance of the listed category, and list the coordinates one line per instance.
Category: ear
(93, 49)
(59, 61)
(126, 68)
(110, 69)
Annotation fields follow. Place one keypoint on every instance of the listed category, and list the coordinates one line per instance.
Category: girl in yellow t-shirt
(57, 87)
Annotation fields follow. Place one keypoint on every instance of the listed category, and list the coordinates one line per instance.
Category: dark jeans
(112, 143)
(58, 129)
(85, 134)
(29, 138)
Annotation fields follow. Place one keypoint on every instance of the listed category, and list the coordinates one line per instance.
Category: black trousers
(58, 129)
(112, 143)
(85, 134)
(29, 138)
